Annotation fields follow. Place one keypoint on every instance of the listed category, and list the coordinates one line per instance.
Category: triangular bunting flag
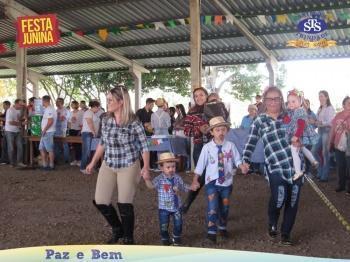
(81, 33)
(103, 34)
(3, 48)
(11, 44)
(218, 20)
(115, 30)
(294, 18)
(171, 23)
(273, 17)
(262, 19)
(159, 25)
(348, 21)
(188, 21)
(182, 21)
(207, 20)
(202, 19)
(329, 17)
(282, 19)
(140, 26)
(229, 19)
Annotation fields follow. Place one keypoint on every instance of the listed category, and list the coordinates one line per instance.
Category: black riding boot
(112, 218)
(128, 221)
(191, 196)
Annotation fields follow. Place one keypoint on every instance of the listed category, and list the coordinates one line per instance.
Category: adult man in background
(61, 128)
(13, 133)
(4, 155)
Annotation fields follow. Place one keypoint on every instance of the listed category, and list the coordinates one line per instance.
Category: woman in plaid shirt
(278, 163)
(195, 126)
(122, 141)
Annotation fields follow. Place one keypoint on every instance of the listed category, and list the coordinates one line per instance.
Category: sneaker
(3, 163)
(285, 240)
(77, 163)
(21, 165)
(273, 231)
(83, 171)
(223, 233)
(212, 238)
(177, 241)
(297, 176)
(73, 163)
(166, 242)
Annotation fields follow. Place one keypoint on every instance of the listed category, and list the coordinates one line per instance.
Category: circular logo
(312, 25)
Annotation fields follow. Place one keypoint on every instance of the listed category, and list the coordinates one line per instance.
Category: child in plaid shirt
(168, 185)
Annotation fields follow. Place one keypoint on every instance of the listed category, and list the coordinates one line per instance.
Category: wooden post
(137, 75)
(196, 54)
(272, 67)
(21, 72)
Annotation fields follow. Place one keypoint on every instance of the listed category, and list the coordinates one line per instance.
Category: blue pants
(11, 139)
(164, 219)
(86, 149)
(283, 194)
(323, 169)
(218, 206)
(58, 151)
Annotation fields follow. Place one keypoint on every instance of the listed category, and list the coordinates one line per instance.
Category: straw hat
(167, 157)
(217, 121)
(160, 102)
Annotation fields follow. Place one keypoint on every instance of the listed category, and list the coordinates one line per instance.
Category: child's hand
(244, 168)
(295, 139)
(176, 189)
(195, 185)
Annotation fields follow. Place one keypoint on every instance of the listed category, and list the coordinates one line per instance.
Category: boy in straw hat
(219, 158)
(168, 185)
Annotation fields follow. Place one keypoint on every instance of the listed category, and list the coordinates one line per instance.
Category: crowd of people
(296, 141)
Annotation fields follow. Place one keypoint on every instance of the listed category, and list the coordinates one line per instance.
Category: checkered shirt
(166, 191)
(123, 144)
(277, 152)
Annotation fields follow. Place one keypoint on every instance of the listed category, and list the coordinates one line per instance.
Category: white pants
(296, 159)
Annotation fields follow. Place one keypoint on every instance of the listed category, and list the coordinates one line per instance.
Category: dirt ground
(54, 208)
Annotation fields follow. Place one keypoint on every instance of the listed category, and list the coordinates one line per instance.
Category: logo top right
(312, 33)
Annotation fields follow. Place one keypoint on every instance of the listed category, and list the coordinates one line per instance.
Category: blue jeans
(4, 151)
(11, 138)
(283, 194)
(58, 151)
(323, 169)
(164, 219)
(86, 149)
(218, 206)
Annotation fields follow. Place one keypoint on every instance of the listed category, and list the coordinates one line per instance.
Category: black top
(144, 117)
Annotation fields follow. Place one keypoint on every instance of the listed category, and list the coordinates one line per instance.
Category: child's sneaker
(177, 241)
(212, 238)
(297, 176)
(224, 234)
(285, 240)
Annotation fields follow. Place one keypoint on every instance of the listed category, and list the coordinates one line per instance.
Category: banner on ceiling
(41, 30)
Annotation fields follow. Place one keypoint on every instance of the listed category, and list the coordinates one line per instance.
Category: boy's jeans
(218, 206)
(164, 219)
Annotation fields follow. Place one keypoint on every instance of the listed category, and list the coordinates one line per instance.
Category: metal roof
(170, 47)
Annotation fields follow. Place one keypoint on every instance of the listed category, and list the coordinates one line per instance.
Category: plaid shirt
(278, 156)
(122, 145)
(166, 191)
(192, 123)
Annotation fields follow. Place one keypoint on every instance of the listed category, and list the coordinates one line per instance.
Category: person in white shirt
(13, 133)
(160, 120)
(91, 123)
(48, 128)
(219, 158)
(61, 128)
(75, 124)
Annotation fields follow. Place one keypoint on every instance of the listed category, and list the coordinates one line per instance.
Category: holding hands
(244, 168)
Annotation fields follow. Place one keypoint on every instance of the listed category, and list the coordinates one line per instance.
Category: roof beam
(31, 73)
(16, 9)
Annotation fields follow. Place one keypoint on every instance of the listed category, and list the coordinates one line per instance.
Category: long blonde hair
(120, 92)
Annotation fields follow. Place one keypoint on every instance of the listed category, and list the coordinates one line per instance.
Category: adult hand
(90, 168)
(195, 185)
(43, 132)
(145, 173)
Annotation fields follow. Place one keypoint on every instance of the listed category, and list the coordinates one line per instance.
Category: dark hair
(32, 99)
(149, 100)
(60, 99)
(308, 109)
(325, 93)
(258, 96)
(94, 103)
(181, 108)
(345, 99)
(83, 102)
(172, 110)
(75, 102)
(200, 88)
(8, 103)
(18, 100)
(46, 98)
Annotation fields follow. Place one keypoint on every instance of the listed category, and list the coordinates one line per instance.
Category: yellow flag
(330, 17)
(281, 19)
(103, 34)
